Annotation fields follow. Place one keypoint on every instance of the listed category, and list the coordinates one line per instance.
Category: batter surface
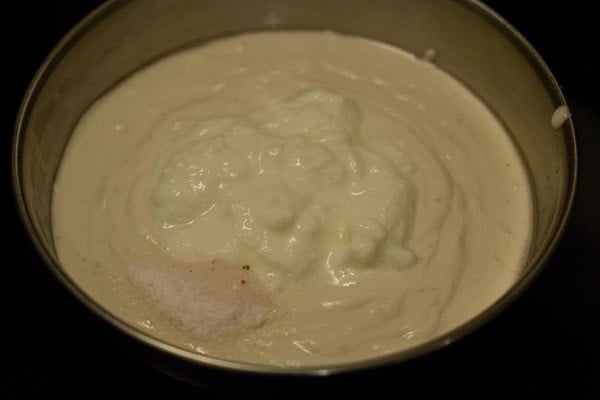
(292, 199)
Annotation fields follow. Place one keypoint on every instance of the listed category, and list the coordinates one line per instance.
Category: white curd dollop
(291, 187)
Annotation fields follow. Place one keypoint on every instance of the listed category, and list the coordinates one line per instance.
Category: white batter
(292, 199)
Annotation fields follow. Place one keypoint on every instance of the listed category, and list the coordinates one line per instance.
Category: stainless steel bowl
(471, 42)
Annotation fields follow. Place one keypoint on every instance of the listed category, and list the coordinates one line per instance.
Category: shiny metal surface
(471, 42)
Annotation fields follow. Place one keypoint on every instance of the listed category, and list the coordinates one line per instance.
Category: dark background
(546, 343)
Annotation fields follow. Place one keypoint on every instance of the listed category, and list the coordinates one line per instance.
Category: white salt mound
(207, 299)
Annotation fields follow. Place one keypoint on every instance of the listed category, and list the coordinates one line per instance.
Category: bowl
(472, 43)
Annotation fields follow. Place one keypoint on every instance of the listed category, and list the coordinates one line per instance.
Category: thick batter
(292, 199)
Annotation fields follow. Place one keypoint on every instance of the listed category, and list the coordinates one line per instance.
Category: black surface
(544, 344)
